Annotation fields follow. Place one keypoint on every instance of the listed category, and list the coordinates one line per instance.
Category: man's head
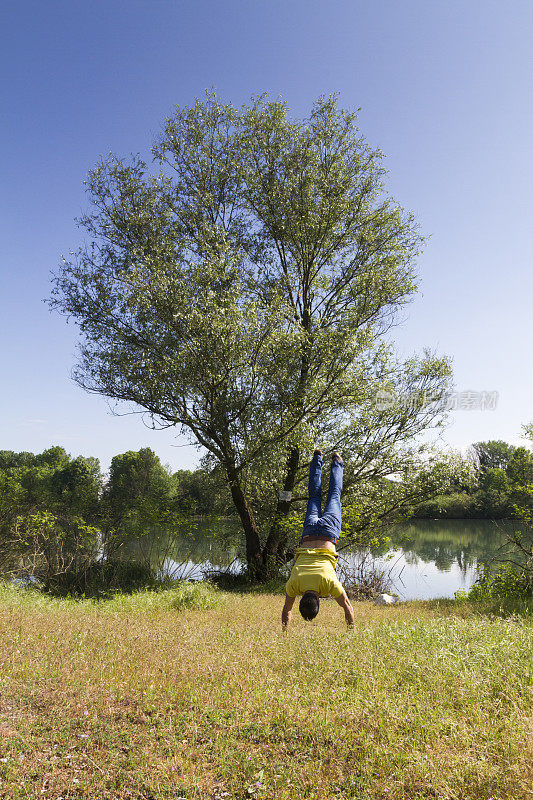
(309, 605)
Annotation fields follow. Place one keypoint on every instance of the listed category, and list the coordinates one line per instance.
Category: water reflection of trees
(195, 541)
(466, 543)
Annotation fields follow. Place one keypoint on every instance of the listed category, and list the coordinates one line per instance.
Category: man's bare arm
(286, 612)
(344, 603)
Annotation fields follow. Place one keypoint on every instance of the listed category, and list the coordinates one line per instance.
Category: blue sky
(445, 90)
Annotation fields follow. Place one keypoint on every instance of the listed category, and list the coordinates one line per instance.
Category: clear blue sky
(445, 90)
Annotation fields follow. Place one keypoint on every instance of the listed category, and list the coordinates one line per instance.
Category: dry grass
(133, 699)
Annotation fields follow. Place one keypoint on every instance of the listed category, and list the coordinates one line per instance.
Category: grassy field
(197, 694)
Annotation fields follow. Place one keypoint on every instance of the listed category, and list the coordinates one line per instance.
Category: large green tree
(240, 287)
(137, 500)
(49, 507)
(202, 491)
(494, 454)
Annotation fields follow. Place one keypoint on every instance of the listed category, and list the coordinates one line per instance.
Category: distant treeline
(138, 485)
(139, 491)
(503, 468)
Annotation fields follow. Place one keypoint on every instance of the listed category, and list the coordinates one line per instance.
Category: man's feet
(337, 457)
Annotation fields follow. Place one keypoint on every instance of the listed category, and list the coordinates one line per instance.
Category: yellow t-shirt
(314, 570)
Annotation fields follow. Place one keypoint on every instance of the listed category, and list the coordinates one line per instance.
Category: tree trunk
(262, 564)
(274, 551)
(254, 560)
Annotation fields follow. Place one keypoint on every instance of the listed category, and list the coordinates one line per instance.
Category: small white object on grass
(285, 496)
(385, 600)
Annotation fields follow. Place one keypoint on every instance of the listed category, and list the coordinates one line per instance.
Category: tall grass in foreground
(99, 702)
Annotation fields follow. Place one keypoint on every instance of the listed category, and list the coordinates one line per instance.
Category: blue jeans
(328, 524)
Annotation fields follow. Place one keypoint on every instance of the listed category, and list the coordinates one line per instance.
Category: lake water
(426, 558)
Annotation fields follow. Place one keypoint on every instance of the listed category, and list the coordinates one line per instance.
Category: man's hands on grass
(344, 603)
(286, 612)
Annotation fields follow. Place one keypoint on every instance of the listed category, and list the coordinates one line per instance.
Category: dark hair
(309, 605)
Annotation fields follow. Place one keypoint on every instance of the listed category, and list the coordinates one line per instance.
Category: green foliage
(459, 505)
(508, 582)
(46, 500)
(49, 547)
(77, 487)
(202, 491)
(428, 487)
(520, 467)
(10, 460)
(510, 575)
(499, 490)
(49, 507)
(50, 481)
(528, 431)
(243, 583)
(493, 454)
(138, 500)
(138, 487)
(494, 492)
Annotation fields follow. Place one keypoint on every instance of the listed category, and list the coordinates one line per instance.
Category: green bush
(507, 583)
(459, 505)
(199, 596)
(102, 579)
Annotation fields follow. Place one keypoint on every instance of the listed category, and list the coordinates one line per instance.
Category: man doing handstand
(313, 575)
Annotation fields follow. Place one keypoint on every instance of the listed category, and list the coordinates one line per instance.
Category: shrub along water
(508, 579)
